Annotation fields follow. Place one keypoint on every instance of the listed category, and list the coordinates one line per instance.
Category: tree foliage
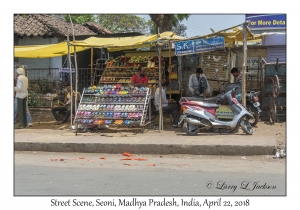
(126, 23)
(80, 19)
(123, 23)
(167, 22)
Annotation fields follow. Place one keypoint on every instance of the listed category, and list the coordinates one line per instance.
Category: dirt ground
(43, 119)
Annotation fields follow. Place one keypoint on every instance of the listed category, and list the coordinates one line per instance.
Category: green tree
(123, 23)
(167, 22)
(80, 19)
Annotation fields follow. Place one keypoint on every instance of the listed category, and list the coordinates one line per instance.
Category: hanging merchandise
(217, 59)
(225, 65)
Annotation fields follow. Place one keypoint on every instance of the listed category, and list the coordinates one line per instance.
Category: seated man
(198, 84)
(140, 79)
(67, 107)
(167, 105)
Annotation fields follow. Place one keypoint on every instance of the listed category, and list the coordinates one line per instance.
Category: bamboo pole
(244, 63)
(76, 71)
(160, 91)
(160, 125)
(170, 45)
(92, 61)
(70, 66)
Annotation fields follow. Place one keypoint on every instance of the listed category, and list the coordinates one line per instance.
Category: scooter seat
(206, 104)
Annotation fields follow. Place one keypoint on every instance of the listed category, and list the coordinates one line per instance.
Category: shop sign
(199, 45)
(252, 63)
(264, 21)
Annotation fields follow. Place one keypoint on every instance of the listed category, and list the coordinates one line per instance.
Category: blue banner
(264, 21)
(199, 45)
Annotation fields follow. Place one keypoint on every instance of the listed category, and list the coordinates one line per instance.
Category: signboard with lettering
(252, 63)
(199, 45)
(266, 21)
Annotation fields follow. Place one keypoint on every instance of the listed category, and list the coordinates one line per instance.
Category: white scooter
(196, 118)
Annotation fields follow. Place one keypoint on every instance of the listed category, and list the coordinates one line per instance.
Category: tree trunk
(163, 21)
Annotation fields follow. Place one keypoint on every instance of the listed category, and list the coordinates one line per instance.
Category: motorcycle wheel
(246, 126)
(253, 121)
(190, 129)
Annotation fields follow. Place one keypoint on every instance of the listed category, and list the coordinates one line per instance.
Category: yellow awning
(126, 43)
(113, 44)
(233, 34)
(45, 51)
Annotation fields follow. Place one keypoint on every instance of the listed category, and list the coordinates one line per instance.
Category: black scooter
(253, 106)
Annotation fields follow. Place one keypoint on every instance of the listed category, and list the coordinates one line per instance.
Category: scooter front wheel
(190, 129)
(246, 126)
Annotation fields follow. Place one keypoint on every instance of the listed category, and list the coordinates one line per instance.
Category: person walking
(28, 115)
(21, 89)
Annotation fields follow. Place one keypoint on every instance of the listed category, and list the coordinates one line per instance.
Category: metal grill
(46, 85)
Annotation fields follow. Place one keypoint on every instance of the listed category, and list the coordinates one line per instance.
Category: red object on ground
(126, 159)
(139, 159)
(127, 154)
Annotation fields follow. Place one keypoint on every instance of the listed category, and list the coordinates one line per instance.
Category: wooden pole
(160, 125)
(92, 61)
(170, 69)
(244, 64)
(70, 66)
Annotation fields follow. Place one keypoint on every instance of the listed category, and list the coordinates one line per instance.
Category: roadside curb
(234, 150)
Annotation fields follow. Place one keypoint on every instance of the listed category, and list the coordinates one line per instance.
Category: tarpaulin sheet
(125, 43)
(45, 51)
(113, 44)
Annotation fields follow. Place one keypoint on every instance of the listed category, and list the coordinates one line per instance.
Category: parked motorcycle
(201, 116)
(253, 106)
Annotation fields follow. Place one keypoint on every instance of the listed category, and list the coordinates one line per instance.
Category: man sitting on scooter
(198, 84)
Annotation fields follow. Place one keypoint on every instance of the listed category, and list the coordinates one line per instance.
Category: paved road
(41, 173)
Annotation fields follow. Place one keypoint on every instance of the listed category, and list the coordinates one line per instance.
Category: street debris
(151, 164)
(127, 154)
(140, 159)
(244, 157)
(127, 164)
(126, 159)
(102, 158)
(279, 154)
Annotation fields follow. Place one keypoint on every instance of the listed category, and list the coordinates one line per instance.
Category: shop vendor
(139, 79)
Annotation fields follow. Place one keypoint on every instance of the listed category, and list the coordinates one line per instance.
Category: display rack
(102, 106)
(122, 68)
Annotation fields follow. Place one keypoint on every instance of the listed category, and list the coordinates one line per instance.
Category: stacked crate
(272, 69)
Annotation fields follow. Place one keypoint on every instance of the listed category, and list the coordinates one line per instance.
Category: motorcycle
(253, 106)
(201, 116)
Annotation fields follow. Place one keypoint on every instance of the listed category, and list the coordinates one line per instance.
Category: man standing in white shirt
(21, 95)
(167, 105)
